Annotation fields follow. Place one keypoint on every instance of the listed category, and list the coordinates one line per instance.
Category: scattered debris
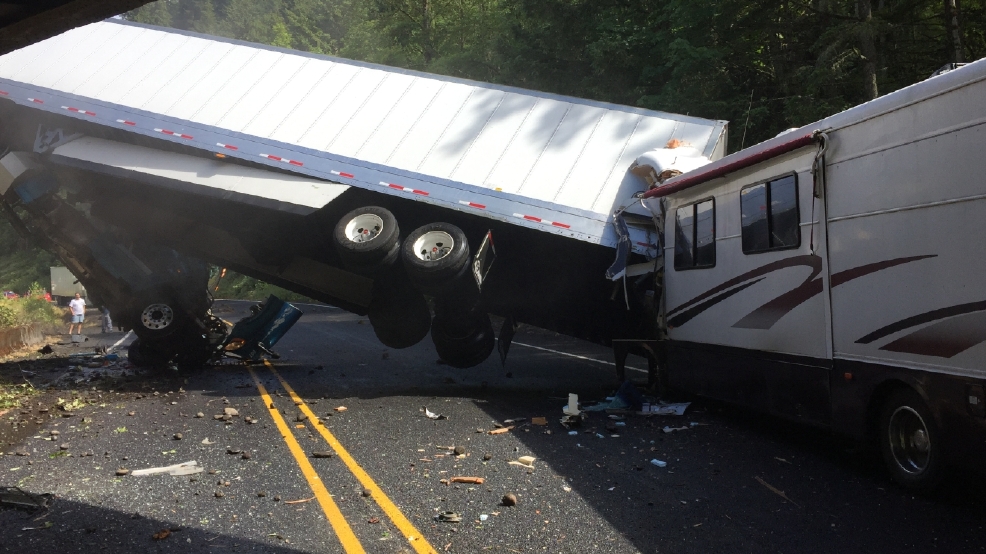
(487, 457)
(664, 409)
(250, 420)
(186, 468)
(232, 412)
(781, 460)
(483, 517)
(300, 417)
(459, 451)
(302, 501)
(776, 491)
(514, 420)
(325, 454)
(46, 525)
(207, 442)
(539, 420)
(161, 535)
(366, 493)
(178, 436)
(18, 498)
(448, 517)
(659, 463)
(500, 431)
(572, 409)
(122, 471)
(200, 415)
(468, 480)
(524, 461)
(509, 499)
(233, 451)
(626, 398)
(373, 520)
(668, 429)
(340, 408)
(432, 415)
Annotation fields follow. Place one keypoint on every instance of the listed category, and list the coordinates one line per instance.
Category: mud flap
(507, 331)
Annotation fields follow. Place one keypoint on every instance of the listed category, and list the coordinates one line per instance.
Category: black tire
(193, 354)
(142, 354)
(367, 239)
(399, 316)
(911, 442)
(463, 343)
(157, 317)
(433, 265)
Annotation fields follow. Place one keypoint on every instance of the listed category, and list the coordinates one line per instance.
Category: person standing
(78, 307)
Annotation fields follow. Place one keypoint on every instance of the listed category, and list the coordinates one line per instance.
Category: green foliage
(8, 316)
(763, 65)
(21, 263)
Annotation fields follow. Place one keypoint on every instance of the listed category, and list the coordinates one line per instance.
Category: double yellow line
(339, 524)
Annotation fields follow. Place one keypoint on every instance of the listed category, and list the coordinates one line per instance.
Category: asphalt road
(734, 482)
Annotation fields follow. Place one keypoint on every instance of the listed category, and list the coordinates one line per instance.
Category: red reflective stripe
(294, 162)
(421, 192)
(4, 93)
(346, 175)
(562, 225)
(532, 218)
(393, 186)
(35, 100)
(227, 146)
(472, 204)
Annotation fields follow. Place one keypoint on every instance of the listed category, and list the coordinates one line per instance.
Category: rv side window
(695, 235)
(769, 213)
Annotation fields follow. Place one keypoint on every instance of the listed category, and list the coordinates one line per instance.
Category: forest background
(763, 65)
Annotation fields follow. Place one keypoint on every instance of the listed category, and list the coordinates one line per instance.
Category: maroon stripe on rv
(944, 339)
(767, 315)
(687, 315)
(700, 176)
(854, 273)
(920, 319)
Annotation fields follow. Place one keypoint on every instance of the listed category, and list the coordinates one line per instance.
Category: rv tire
(910, 441)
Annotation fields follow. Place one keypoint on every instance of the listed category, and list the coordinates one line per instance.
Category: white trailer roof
(545, 161)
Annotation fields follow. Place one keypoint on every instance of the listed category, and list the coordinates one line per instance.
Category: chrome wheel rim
(910, 441)
(157, 316)
(433, 246)
(364, 228)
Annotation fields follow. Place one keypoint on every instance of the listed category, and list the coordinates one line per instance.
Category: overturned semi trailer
(367, 187)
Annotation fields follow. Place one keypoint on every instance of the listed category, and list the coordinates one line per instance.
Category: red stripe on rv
(532, 218)
(562, 225)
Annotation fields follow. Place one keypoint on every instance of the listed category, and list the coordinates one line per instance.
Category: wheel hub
(433, 246)
(910, 442)
(157, 316)
(364, 228)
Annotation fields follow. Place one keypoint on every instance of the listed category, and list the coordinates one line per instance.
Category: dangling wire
(818, 180)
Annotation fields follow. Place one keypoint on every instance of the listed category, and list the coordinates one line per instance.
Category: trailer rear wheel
(436, 257)
(463, 344)
(367, 239)
(142, 354)
(399, 316)
(910, 441)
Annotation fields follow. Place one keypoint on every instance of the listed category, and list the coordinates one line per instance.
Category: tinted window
(695, 236)
(769, 215)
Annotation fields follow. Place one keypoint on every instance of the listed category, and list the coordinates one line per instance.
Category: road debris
(46, 525)
(459, 451)
(302, 501)
(664, 409)
(509, 499)
(776, 491)
(122, 471)
(668, 429)
(323, 454)
(524, 461)
(18, 498)
(448, 517)
(572, 409)
(659, 463)
(539, 420)
(200, 415)
(340, 408)
(232, 412)
(178, 436)
(432, 415)
(500, 431)
(468, 480)
(207, 442)
(250, 420)
(161, 535)
(373, 520)
(627, 397)
(186, 468)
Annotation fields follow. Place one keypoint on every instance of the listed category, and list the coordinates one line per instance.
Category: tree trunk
(427, 46)
(867, 47)
(954, 30)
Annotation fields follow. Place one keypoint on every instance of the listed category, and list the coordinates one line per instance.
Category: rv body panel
(884, 289)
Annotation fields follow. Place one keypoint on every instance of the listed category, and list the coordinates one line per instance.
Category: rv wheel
(910, 441)
(367, 239)
(157, 318)
(399, 316)
(463, 345)
(436, 256)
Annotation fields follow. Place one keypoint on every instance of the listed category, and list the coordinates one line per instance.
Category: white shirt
(78, 306)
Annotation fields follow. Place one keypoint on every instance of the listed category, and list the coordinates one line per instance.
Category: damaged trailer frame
(367, 187)
(833, 276)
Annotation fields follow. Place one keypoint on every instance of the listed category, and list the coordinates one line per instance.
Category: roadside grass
(31, 309)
